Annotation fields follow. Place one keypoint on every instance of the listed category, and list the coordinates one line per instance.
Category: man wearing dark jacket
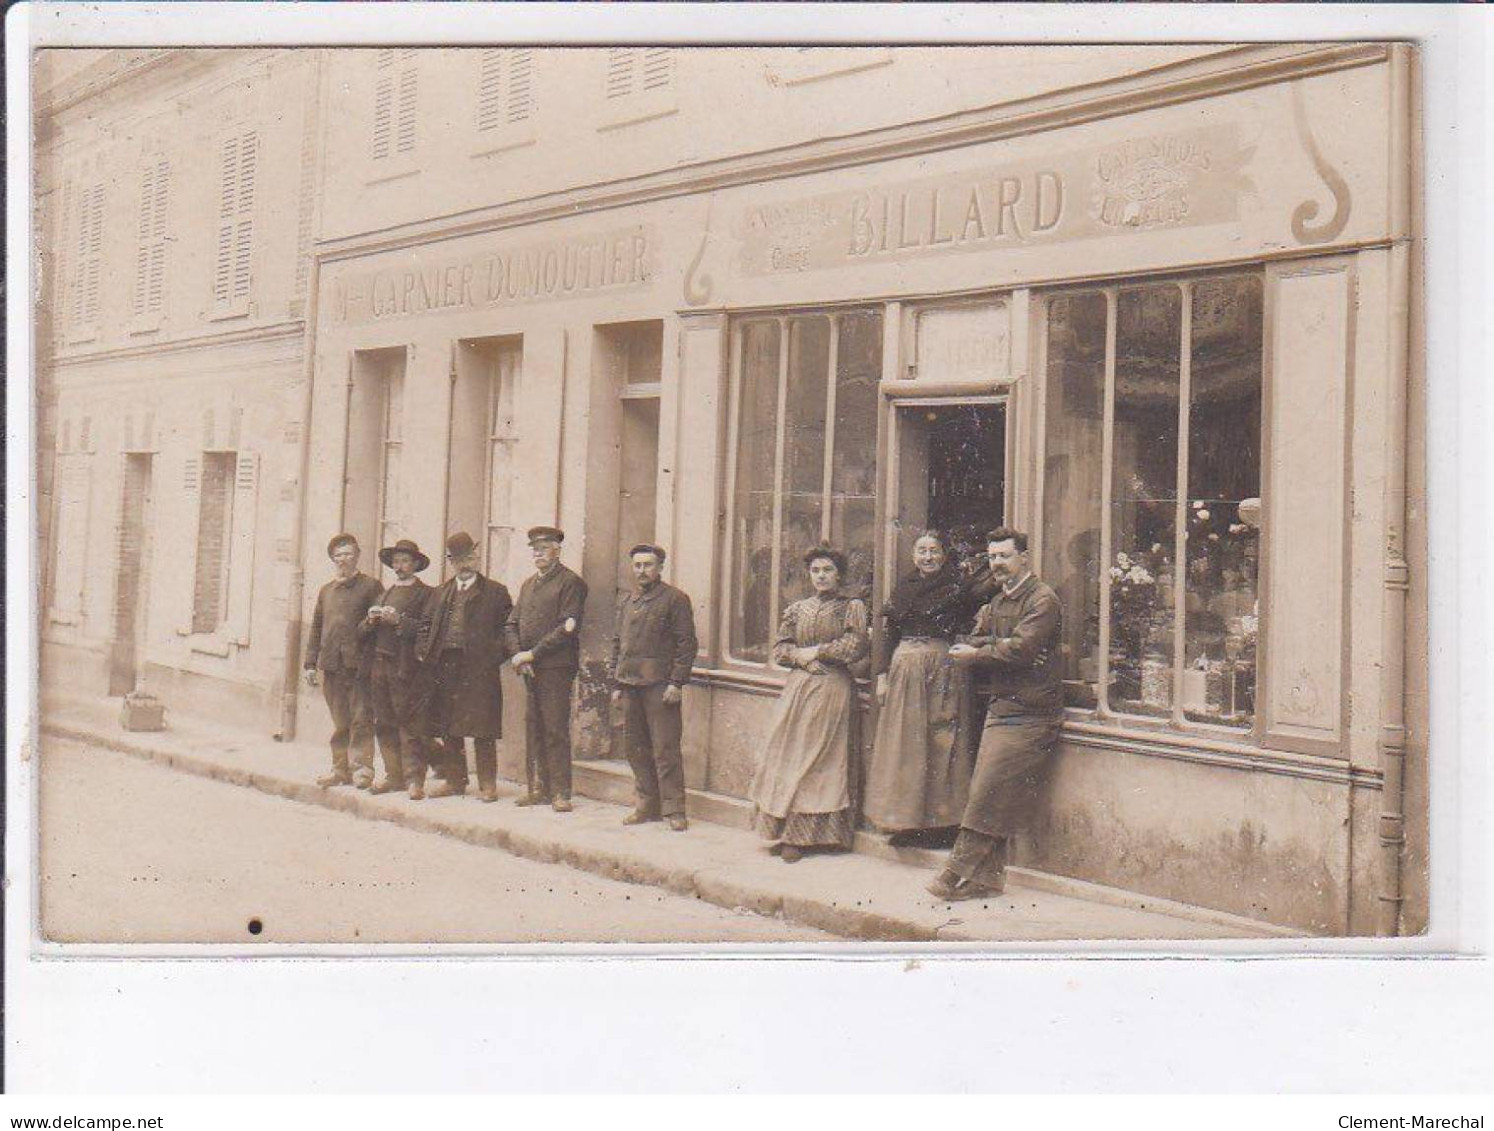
(334, 658)
(1018, 644)
(543, 635)
(653, 651)
(463, 639)
(390, 629)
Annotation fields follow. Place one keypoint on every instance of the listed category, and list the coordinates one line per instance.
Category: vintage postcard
(638, 494)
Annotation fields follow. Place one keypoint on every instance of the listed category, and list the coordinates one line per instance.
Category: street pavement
(134, 852)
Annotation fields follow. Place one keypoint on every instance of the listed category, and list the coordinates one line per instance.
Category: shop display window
(806, 428)
(1151, 505)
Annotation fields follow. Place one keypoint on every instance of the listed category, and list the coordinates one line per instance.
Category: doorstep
(875, 893)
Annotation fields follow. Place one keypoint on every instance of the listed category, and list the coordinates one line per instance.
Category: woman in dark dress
(919, 772)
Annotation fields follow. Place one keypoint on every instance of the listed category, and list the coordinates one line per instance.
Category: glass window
(1167, 379)
(805, 473)
(1073, 477)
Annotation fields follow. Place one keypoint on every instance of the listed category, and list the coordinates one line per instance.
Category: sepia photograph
(768, 496)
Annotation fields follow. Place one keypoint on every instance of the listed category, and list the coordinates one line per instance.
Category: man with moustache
(653, 651)
(391, 627)
(463, 642)
(334, 658)
(1018, 644)
(544, 637)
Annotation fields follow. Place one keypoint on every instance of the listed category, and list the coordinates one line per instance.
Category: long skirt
(802, 789)
(1014, 753)
(919, 773)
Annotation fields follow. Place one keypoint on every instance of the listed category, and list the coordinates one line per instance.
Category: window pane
(1224, 486)
(1143, 503)
(853, 479)
(752, 619)
(1072, 482)
(803, 453)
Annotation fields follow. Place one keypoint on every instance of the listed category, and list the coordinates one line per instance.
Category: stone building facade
(1157, 305)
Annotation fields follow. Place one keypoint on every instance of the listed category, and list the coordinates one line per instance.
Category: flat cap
(545, 534)
(649, 548)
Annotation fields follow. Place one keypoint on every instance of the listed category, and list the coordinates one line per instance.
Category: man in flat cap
(543, 635)
(335, 659)
(391, 627)
(463, 638)
(653, 651)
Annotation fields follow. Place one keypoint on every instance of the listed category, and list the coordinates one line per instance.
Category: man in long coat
(653, 651)
(335, 659)
(543, 635)
(1020, 630)
(399, 700)
(463, 642)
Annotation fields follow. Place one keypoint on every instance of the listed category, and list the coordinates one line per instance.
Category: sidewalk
(862, 895)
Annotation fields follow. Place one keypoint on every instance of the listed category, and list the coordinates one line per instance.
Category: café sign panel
(1141, 184)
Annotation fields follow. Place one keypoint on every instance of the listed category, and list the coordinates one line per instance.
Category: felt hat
(459, 545)
(545, 534)
(386, 555)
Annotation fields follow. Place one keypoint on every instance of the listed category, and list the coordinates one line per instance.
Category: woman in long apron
(918, 776)
(802, 789)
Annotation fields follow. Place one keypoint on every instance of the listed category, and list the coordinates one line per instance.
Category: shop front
(1167, 335)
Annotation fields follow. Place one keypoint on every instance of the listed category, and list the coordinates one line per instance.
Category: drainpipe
(1397, 572)
(295, 596)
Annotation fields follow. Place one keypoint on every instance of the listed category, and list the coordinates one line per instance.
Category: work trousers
(547, 732)
(455, 760)
(391, 728)
(352, 726)
(980, 859)
(653, 738)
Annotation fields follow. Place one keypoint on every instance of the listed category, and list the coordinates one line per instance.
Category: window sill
(819, 67)
(636, 117)
(64, 617)
(495, 146)
(83, 335)
(243, 308)
(387, 175)
(145, 324)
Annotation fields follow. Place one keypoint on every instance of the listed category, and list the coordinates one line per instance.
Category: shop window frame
(766, 671)
(1102, 718)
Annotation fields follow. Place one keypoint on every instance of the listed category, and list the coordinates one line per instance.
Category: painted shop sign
(619, 260)
(1142, 184)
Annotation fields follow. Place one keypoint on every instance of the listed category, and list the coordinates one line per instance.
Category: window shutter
(241, 548)
(142, 250)
(190, 517)
(228, 181)
(383, 116)
(658, 68)
(490, 91)
(150, 257)
(520, 86)
(621, 62)
(404, 137)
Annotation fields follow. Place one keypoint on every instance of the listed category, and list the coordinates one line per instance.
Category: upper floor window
(396, 95)
(1151, 495)
(238, 168)
(88, 252)
(505, 88)
(805, 461)
(639, 85)
(150, 250)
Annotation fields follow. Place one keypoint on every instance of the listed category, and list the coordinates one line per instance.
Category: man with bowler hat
(391, 628)
(653, 651)
(463, 638)
(334, 658)
(543, 635)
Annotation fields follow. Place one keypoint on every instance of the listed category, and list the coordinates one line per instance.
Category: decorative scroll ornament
(698, 286)
(1303, 215)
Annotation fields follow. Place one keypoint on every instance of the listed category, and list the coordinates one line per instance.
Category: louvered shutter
(189, 518)
(490, 91)
(657, 68)
(621, 63)
(520, 86)
(228, 183)
(241, 547)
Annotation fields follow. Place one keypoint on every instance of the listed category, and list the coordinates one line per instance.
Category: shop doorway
(130, 574)
(949, 474)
